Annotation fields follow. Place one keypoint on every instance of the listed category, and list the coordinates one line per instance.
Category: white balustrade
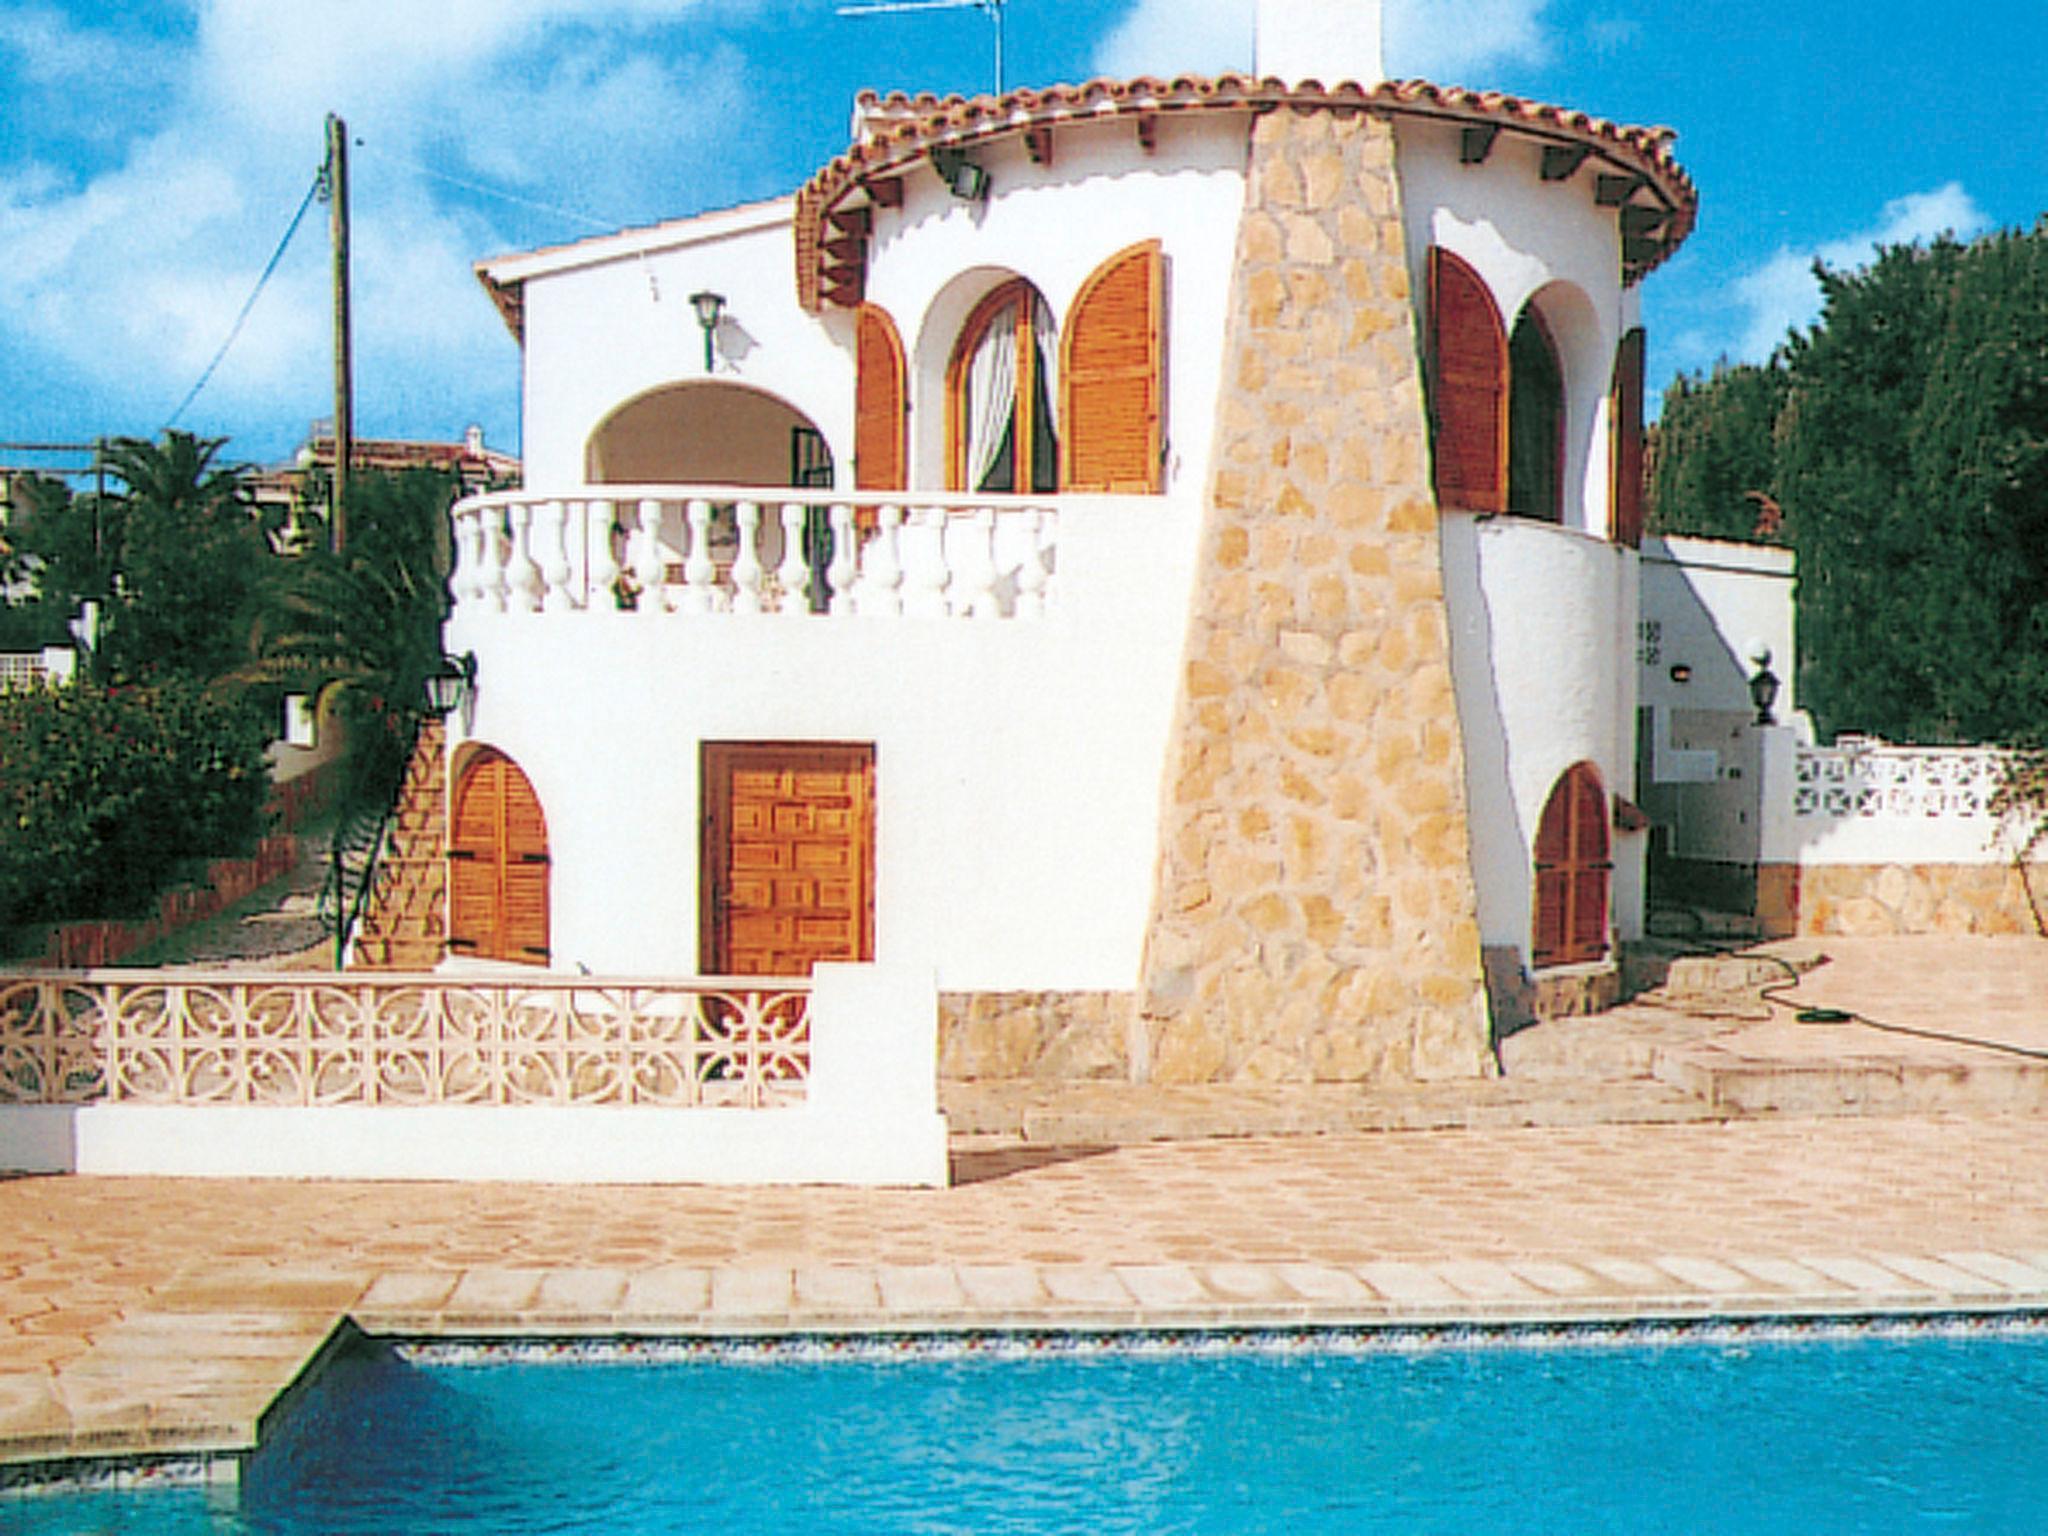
(1032, 575)
(522, 575)
(794, 574)
(843, 570)
(746, 565)
(650, 568)
(881, 569)
(556, 595)
(600, 558)
(922, 555)
(700, 572)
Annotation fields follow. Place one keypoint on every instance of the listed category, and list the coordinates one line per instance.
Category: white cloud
(1448, 40)
(1781, 294)
(125, 277)
(1438, 39)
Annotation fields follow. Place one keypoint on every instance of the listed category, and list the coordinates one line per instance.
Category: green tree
(105, 791)
(190, 562)
(1859, 378)
(1905, 436)
(367, 623)
(1713, 464)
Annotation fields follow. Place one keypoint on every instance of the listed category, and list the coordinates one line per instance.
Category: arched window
(1467, 388)
(1572, 870)
(999, 396)
(1625, 422)
(1113, 376)
(1535, 422)
(497, 864)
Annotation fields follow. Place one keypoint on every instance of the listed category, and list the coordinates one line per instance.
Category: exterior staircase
(404, 922)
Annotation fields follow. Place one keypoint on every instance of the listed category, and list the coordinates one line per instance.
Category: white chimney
(1326, 40)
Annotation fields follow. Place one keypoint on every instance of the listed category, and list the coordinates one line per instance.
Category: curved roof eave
(897, 131)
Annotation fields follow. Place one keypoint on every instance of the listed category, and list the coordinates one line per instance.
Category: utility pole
(336, 178)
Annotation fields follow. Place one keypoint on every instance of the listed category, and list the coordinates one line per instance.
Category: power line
(484, 190)
(275, 257)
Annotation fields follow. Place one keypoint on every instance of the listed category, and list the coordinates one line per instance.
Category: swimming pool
(1694, 1429)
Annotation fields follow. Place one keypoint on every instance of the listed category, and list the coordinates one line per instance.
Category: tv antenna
(993, 9)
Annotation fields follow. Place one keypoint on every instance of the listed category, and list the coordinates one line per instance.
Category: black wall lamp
(1763, 685)
(450, 683)
(963, 178)
(710, 309)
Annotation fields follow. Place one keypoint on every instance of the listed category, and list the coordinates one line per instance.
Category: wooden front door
(788, 857)
(1573, 871)
(497, 865)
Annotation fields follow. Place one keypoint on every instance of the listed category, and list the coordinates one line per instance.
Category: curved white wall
(1524, 235)
(1542, 626)
(933, 258)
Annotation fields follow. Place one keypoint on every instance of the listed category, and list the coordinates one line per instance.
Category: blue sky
(152, 154)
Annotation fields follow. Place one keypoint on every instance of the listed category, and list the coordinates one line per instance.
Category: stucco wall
(1540, 623)
(608, 324)
(1528, 238)
(931, 260)
(1017, 761)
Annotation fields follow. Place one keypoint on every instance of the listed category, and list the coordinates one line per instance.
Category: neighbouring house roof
(476, 465)
(1638, 176)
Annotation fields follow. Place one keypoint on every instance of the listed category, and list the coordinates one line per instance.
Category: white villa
(1142, 582)
(1158, 556)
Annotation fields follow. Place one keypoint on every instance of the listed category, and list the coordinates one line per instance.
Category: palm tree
(190, 559)
(363, 628)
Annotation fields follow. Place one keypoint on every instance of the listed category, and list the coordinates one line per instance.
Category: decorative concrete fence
(1867, 839)
(731, 549)
(825, 1080)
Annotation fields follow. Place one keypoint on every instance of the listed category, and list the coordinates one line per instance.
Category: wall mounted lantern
(449, 684)
(1681, 673)
(963, 178)
(1763, 685)
(710, 309)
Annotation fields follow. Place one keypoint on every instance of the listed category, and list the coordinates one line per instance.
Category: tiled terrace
(154, 1315)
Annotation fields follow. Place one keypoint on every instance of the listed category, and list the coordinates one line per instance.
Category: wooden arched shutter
(1625, 418)
(881, 458)
(1573, 871)
(497, 865)
(1113, 376)
(1468, 388)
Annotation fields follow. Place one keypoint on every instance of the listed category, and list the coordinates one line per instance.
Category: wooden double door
(787, 857)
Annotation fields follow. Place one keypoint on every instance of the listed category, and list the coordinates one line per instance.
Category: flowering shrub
(103, 791)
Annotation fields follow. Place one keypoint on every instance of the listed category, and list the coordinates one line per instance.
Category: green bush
(104, 792)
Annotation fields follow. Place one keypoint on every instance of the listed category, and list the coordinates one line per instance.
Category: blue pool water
(1726, 1433)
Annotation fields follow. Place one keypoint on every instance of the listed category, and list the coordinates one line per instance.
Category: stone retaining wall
(1314, 916)
(1062, 1036)
(1872, 900)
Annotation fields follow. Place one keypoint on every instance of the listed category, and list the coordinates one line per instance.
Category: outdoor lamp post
(710, 308)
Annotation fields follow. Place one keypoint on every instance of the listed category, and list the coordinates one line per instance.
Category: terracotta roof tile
(895, 131)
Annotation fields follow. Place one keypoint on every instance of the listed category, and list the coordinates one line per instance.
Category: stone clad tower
(1315, 915)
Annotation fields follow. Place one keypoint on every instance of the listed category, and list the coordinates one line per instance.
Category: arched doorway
(1573, 871)
(999, 419)
(708, 433)
(1535, 421)
(497, 864)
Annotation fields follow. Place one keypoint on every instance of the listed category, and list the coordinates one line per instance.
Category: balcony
(669, 550)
